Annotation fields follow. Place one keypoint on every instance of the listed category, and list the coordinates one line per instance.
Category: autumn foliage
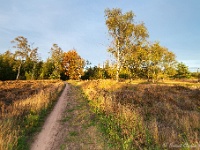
(73, 64)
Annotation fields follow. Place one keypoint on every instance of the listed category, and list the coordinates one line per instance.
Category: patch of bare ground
(81, 131)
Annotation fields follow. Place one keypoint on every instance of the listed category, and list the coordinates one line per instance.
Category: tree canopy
(132, 50)
(73, 64)
(125, 34)
(24, 55)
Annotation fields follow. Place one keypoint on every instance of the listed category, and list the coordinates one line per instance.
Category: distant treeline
(24, 64)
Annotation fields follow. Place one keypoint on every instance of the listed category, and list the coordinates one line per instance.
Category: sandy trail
(51, 134)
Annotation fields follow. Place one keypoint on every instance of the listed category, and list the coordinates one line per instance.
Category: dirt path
(71, 125)
(52, 132)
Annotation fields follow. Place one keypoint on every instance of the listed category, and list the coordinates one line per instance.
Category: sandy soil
(52, 132)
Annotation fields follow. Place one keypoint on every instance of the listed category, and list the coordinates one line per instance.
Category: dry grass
(21, 105)
(79, 124)
(149, 114)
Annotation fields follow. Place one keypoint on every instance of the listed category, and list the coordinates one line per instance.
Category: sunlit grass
(142, 115)
(80, 123)
(20, 118)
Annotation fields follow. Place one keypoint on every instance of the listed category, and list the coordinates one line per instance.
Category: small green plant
(67, 118)
(71, 110)
(73, 133)
(62, 147)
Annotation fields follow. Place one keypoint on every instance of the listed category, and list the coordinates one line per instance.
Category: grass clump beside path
(80, 123)
(146, 116)
(24, 105)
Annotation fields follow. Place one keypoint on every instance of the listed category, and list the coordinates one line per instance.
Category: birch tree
(21, 53)
(56, 59)
(125, 33)
(24, 54)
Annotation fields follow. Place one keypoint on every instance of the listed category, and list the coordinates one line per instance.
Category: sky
(80, 25)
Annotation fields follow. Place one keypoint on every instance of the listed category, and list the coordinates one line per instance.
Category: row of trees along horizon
(134, 57)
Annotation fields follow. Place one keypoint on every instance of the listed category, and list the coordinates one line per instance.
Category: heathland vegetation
(136, 115)
(23, 107)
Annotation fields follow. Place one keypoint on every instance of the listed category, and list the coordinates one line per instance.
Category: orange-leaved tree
(73, 65)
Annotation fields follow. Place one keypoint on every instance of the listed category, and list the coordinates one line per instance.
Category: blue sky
(80, 24)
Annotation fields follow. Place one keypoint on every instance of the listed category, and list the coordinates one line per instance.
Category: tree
(56, 59)
(137, 61)
(21, 53)
(30, 65)
(168, 63)
(124, 33)
(37, 70)
(34, 59)
(109, 69)
(6, 66)
(73, 64)
(95, 73)
(47, 69)
(157, 62)
(182, 71)
(150, 61)
(24, 54)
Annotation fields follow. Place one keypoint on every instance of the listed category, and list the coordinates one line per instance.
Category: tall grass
(20, 118)
(146, 116)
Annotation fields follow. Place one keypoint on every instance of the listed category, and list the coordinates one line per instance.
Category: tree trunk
(148, 76)
(18, 72)
(33, 71)
(118, 61)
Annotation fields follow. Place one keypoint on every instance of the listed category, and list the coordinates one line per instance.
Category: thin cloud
(81, 25)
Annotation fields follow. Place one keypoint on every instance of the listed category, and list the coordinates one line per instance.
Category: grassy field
(129, 114)
(23, 107)
(139, 115)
